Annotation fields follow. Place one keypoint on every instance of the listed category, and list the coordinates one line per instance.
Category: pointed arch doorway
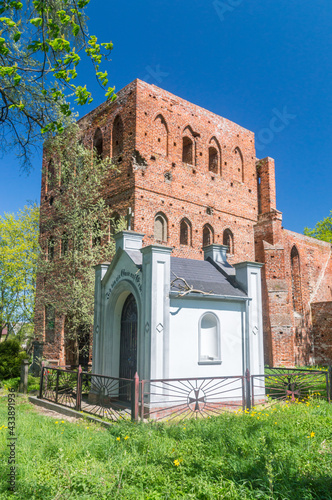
(128, 346)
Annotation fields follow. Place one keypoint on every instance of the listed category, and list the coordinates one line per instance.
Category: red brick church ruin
(192, 178)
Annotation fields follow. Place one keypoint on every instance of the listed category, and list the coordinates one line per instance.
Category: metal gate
(128, 346)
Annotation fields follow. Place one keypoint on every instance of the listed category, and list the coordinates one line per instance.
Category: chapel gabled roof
(203, 276)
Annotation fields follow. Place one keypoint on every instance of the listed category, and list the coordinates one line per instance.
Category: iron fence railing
(289, 385)
(178, 399)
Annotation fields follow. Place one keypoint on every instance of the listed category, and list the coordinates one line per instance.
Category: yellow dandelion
(312, 434)
(118, 439)
(56, 422)
(176, 462)
(126, 437)
(62, 421)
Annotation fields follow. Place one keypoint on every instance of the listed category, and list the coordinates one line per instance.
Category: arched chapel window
(296, 280)
(117, 136)
(209, 339)
(160, 136)
(98, 143)
(228, 240)
(187, 150)
(207, 235)
(185, 232)
(160, 227)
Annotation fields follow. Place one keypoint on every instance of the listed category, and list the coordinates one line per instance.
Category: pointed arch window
(228, 240)
(238, 164)
(160, 227)
(296, 280)
(209, 339)
(213, 160)
(98, 143)
(207, 235)
(117, 136)
(160, 144)
(185, 232)
(49, 323)
(187, 150)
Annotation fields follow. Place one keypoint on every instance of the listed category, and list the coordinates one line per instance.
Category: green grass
(265, 455)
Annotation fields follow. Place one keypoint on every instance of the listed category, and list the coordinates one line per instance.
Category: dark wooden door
(128, 346)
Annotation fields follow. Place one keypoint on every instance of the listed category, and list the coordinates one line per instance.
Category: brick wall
(221, 185)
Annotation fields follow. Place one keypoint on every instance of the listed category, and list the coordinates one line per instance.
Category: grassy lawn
(281, 453)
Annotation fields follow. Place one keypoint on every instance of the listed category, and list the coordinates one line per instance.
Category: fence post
(248, 398)
(79, 389)
(41, 381)
(57, 385)
(24, 376)
(134, 397)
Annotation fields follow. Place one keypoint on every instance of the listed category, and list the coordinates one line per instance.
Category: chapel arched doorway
(128, 345)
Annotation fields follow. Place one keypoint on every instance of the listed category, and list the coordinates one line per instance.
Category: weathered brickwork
(192, 177)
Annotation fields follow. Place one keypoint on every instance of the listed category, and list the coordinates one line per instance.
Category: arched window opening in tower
(228, 240)
(187, 150)
(98, 143)
(160, 227)
(50, 182)
(238, 165)
(207, 235)
(160, 141)
(117, 137)
(185, 232)
(213, 160)
(296, 281)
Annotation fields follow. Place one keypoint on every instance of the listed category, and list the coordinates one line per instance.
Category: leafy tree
(41, 43)
(18, 263)
(11, 357)
(322, 230)
(75, 236)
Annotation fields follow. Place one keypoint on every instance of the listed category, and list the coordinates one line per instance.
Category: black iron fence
(178, 399)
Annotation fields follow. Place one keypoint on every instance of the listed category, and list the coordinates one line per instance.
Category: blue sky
(246, 60)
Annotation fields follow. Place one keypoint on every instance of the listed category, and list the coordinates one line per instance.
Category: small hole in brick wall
(196, 230)
(207, 194)
(254, 208)
(231, 184)
(229, 201)
(249, 190)
(130, 112)
(142, 174)
(142, 218)
(172, 225)
(128, 175)
(51, 200)
(142, 197)
(280, 333)
(200, 154)
(158, 139)
(178, 127)
(162, 201)
(219, 217)
(272, 256)
(145, 134)
(238, 135)
(154, 97)
(200, 212)
(194, 171)
(153, 157)
(120, 159)
(173, 164)
(182, 187)
(274, 277)
(130, 133)
(224, 145)
(174, 143)
(239, 170)
(146, 112)
(209, 121)
(225, 162)
(171, 204)
(45, 197)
